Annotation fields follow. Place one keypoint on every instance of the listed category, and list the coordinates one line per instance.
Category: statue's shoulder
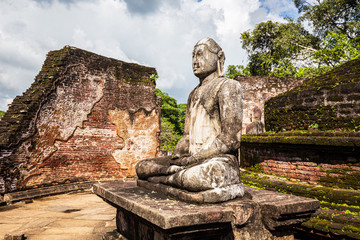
(229, 83)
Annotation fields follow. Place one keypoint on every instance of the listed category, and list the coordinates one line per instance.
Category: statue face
(204, 62)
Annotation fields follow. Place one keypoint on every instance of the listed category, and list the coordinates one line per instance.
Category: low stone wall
(330, 101)
(328, 158)
(339, 213)
(86, 117)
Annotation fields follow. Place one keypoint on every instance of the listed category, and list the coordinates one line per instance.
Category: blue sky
(157, 33)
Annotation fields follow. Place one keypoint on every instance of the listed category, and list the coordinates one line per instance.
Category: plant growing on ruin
(154, 77)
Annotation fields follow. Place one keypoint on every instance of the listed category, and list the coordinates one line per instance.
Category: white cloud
(161, 35)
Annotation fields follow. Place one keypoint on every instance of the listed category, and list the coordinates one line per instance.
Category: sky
(156, 33)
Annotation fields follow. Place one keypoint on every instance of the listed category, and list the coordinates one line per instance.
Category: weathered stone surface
(15, 236)
(268, 215)
(204, 159)
(79, 215)
(327, 102)
(46, 191)
(282, 210)
(328, 158)
(86, 117)
(257, 90)
(158, 209)
(208, 196)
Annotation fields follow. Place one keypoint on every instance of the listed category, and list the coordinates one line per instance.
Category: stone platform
(261, 214)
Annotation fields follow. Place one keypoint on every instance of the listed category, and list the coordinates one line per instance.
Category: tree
(331, 15)
(235, 70)
(287, 49)
(277, 46)
(172, 121)
(2, 113)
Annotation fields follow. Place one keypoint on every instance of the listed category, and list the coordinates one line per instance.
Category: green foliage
(236, 70)
(154, 77)
(310, 72)
(314, 126)
(287, 49)
(2, 113)
(331, 15)
(168, 136)
(172, 121)
(337, 48)
(273, 45)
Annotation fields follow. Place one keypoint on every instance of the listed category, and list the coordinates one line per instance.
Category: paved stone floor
(80, 215)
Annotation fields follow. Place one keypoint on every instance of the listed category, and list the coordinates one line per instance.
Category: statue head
(207, 58)
(256, 116)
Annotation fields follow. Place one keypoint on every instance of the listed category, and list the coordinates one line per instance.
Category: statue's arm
(231, 114)
(230, 109)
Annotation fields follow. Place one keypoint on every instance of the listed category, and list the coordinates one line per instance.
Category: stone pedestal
(261, 214)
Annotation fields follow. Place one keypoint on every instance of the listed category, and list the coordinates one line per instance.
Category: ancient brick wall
(323, 145)
(328, 158)
(331, 101)
(258, 89)
(86, 117)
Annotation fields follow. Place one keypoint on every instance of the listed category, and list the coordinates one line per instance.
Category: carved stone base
(145, 214)
(208, 196)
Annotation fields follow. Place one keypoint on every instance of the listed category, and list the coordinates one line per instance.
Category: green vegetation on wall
(2, 113)
(172, 121)
(327, 102)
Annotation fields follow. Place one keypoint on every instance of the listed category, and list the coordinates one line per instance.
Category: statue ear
(220, 63)
(221, 56)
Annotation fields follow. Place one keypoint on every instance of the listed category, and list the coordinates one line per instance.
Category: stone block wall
(330, 159)
(257, 90)
(319, 138)
(85, 117)
(330, 101)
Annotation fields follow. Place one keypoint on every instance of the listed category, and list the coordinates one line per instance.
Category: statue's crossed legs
(217, 174)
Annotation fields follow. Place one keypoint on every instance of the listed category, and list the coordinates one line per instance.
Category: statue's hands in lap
(183, 160)
(174, 169)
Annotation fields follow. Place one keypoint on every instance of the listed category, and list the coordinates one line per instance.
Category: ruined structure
(86, 117)
(313, 150)
(257, 90)
(330, 103)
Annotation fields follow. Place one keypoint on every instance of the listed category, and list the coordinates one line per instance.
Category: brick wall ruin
(86, 117)
(319, 140)
(328, 158)
(330, 101)
(257, 90)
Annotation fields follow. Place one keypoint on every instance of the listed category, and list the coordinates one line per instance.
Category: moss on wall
(330, 101)
(315, 137)
(322, 193)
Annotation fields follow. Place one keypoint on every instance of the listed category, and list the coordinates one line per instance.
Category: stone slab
(46, 191)
(160, 210)
(278, 210)
(282, 210)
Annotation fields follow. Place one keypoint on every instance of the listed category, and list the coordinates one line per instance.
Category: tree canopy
(325, 35)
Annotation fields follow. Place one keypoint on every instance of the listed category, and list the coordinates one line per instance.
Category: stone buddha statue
(204, 160)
